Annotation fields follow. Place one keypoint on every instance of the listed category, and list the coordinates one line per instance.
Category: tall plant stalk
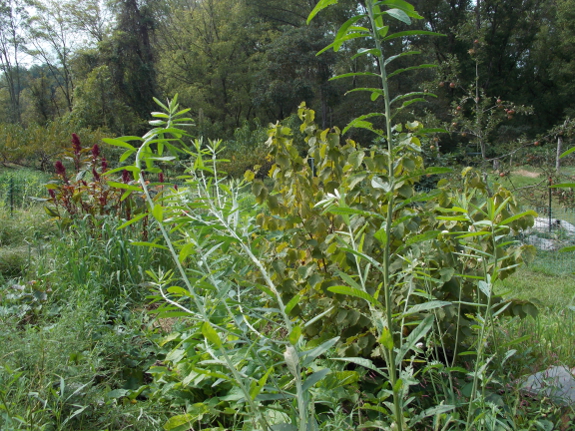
(377, 32)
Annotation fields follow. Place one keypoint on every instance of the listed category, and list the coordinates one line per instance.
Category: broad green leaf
(186, 250)
(295, 335)
(365, 51)
(180, 423)
(401, 4)
(158, 212)
(346, 290)
(178, 290)
(293, 302)
(399, 15)
(386, 339)
(564, 185)
(343, 30)
(485, 287)
(126, 155)
(211, 334)
(518, 216)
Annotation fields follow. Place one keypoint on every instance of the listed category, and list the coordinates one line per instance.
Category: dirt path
(524, 173)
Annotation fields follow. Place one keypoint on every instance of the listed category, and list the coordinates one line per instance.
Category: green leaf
(295, 335)
(413, 33)
(386, 339)
(342, 32)
(133, 220)
(293, 302)
(399, 15)
(118, 143)
(421, 66)
(564, 185)
(346, 290)
(423, 237)
(426, 306)
(566, 153)
(322, 4)
(158, 212)
(310, 355)
(186, 250)
(403, 54)
(211, 334)
(124, 186)
(364, 362)
(347, 75)
(518, 216)
(415, 93)
(315, 378)
(417, 334)
(180, 423)
(365, 51)
(567, 249)
(149, 244)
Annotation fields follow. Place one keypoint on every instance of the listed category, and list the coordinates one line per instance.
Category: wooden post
(559, 152)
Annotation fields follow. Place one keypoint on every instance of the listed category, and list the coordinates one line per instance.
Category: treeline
(240, 64)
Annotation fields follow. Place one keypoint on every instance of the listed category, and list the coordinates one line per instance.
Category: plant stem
(392, 369)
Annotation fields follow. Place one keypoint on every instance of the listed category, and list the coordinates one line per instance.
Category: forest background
(94, 66)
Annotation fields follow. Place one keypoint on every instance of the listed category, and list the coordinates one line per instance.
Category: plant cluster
(346, 281)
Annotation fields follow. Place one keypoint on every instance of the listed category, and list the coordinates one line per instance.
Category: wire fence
(553, 231)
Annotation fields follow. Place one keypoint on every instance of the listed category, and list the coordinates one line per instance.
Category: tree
(53, 40)
(129, 54)
(12, 16)
(209, 52)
